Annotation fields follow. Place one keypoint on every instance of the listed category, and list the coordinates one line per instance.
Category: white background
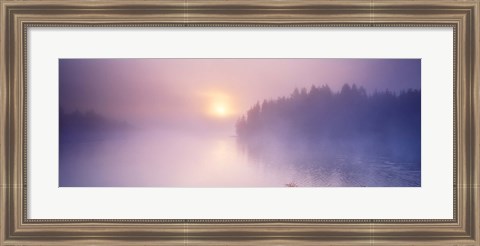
(434, 200)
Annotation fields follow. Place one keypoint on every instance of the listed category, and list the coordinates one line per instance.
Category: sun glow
(219, 104)
(220, 109)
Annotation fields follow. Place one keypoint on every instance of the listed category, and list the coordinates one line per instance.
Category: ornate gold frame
(17, 15)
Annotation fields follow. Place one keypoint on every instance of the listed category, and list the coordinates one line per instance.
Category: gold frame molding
(16, 16)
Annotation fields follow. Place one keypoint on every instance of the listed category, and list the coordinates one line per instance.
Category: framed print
(239, 123)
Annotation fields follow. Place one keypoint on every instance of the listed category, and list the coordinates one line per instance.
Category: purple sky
(174, 91)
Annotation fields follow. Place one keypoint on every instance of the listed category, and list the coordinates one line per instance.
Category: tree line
(319, 114)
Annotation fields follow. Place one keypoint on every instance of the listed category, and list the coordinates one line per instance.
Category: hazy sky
(216, 92)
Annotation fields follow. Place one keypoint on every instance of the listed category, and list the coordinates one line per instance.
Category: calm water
(172, 159)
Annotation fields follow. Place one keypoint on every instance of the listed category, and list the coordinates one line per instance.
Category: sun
(218, 104)
(220, 109)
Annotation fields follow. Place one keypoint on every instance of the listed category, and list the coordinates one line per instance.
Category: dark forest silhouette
(383, 121)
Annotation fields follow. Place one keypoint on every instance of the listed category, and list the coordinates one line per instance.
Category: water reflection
(173, 159)
(355, 163)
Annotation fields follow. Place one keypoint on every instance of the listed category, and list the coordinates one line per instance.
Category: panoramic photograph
(238, 123)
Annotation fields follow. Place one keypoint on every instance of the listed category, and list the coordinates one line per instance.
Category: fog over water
(165, 159)
(178, 159)
(239, 123)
